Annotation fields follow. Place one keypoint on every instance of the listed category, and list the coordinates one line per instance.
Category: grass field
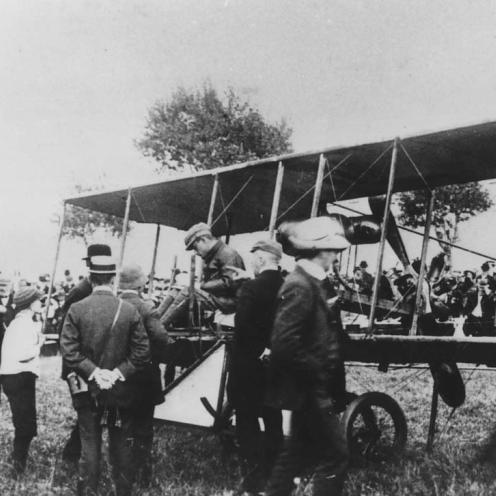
(189, 462)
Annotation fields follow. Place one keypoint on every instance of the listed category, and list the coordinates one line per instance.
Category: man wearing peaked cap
(220, 263)
(72, 448)
(255, 311)
(306, 373)
(149, 386)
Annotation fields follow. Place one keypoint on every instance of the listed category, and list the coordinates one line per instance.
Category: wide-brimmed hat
(269, 246)
(315, 234)
(132, 277)
(194, 232)
(25, 296)
(102, 264)
(97, 250)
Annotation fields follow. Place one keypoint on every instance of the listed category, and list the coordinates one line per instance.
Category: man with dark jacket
(148, 382)
(306, 368)
(72, 448)
(103, 341)
(247, 376)
(218, 288)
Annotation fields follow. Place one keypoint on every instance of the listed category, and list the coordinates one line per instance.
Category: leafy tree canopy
(197, 130)
(82, 223)
(453, 204)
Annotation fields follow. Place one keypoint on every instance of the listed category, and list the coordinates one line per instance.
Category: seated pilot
(221, 266)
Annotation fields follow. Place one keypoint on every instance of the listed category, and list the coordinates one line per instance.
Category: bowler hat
(194, 232)
(97, 250)
(315, 234)
(25, 296)
(132, 277)
(102, 264)
(269, 246)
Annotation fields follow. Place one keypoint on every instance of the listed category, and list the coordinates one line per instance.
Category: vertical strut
(423, 257)
(276, 199)
(318, 186)
(55, 263)
(154, 262)
(213, 199)
(125, 223)
(382, 243)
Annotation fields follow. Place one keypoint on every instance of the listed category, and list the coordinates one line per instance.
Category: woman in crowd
(19, 369)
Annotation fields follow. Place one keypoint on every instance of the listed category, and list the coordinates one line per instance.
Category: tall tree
(197, 130)
(82, 223)
(454, 203)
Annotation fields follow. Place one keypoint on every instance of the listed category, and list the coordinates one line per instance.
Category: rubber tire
(386, 402)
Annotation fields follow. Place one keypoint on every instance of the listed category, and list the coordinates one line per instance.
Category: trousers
(317, 441)
(143, 441)
(120, 449)
(258, 451)
(20, 391)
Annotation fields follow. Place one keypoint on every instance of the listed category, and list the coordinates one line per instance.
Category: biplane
(255, 197)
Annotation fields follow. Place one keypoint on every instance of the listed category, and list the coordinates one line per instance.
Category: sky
(78, 78)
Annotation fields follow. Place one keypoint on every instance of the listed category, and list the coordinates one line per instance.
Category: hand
(264, 357)
(104, 378)
(238, 273)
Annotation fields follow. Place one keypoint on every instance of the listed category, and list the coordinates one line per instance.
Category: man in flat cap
(306, 374)
(132, 280)
(104, 342)
(254, 318)
(72, 448)
(218, 288)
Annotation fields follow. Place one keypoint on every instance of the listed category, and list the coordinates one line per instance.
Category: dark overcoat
(254, 319)
(148, 380)
(306, 362)
(83, 337)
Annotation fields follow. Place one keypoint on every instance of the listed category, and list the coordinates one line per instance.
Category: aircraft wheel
(375, 427)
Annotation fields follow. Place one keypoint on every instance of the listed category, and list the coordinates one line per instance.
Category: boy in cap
(72, 449)
(254, 317)
(103, 340)
(19, 370)
(148, 382)
(306, 374)
(220, 261)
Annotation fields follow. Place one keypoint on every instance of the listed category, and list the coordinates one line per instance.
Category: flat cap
(315, 234)
(25, 296)
(132, 277)
(269, 246)
(194, 232)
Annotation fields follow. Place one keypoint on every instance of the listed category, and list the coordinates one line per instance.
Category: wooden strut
(154, 262)
(124, 238)
(382, 243)
(423, 258)
(276, 199)
(433, 417)
(213, 199)
(54, 270)
(318, 186)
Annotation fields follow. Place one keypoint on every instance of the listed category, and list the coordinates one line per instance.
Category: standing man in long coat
(104, 342)
(254, 318)
(307, 370)
(132, 280)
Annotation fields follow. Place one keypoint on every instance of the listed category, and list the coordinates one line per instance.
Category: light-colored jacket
(21, 346)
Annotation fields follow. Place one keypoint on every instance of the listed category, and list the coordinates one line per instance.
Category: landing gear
(375, 427)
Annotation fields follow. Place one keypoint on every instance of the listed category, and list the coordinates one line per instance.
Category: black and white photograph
(248, 248)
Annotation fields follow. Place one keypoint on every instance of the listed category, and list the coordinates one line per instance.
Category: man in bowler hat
(254, 318)
(306, 374)
(103, 341)
(72, 449)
